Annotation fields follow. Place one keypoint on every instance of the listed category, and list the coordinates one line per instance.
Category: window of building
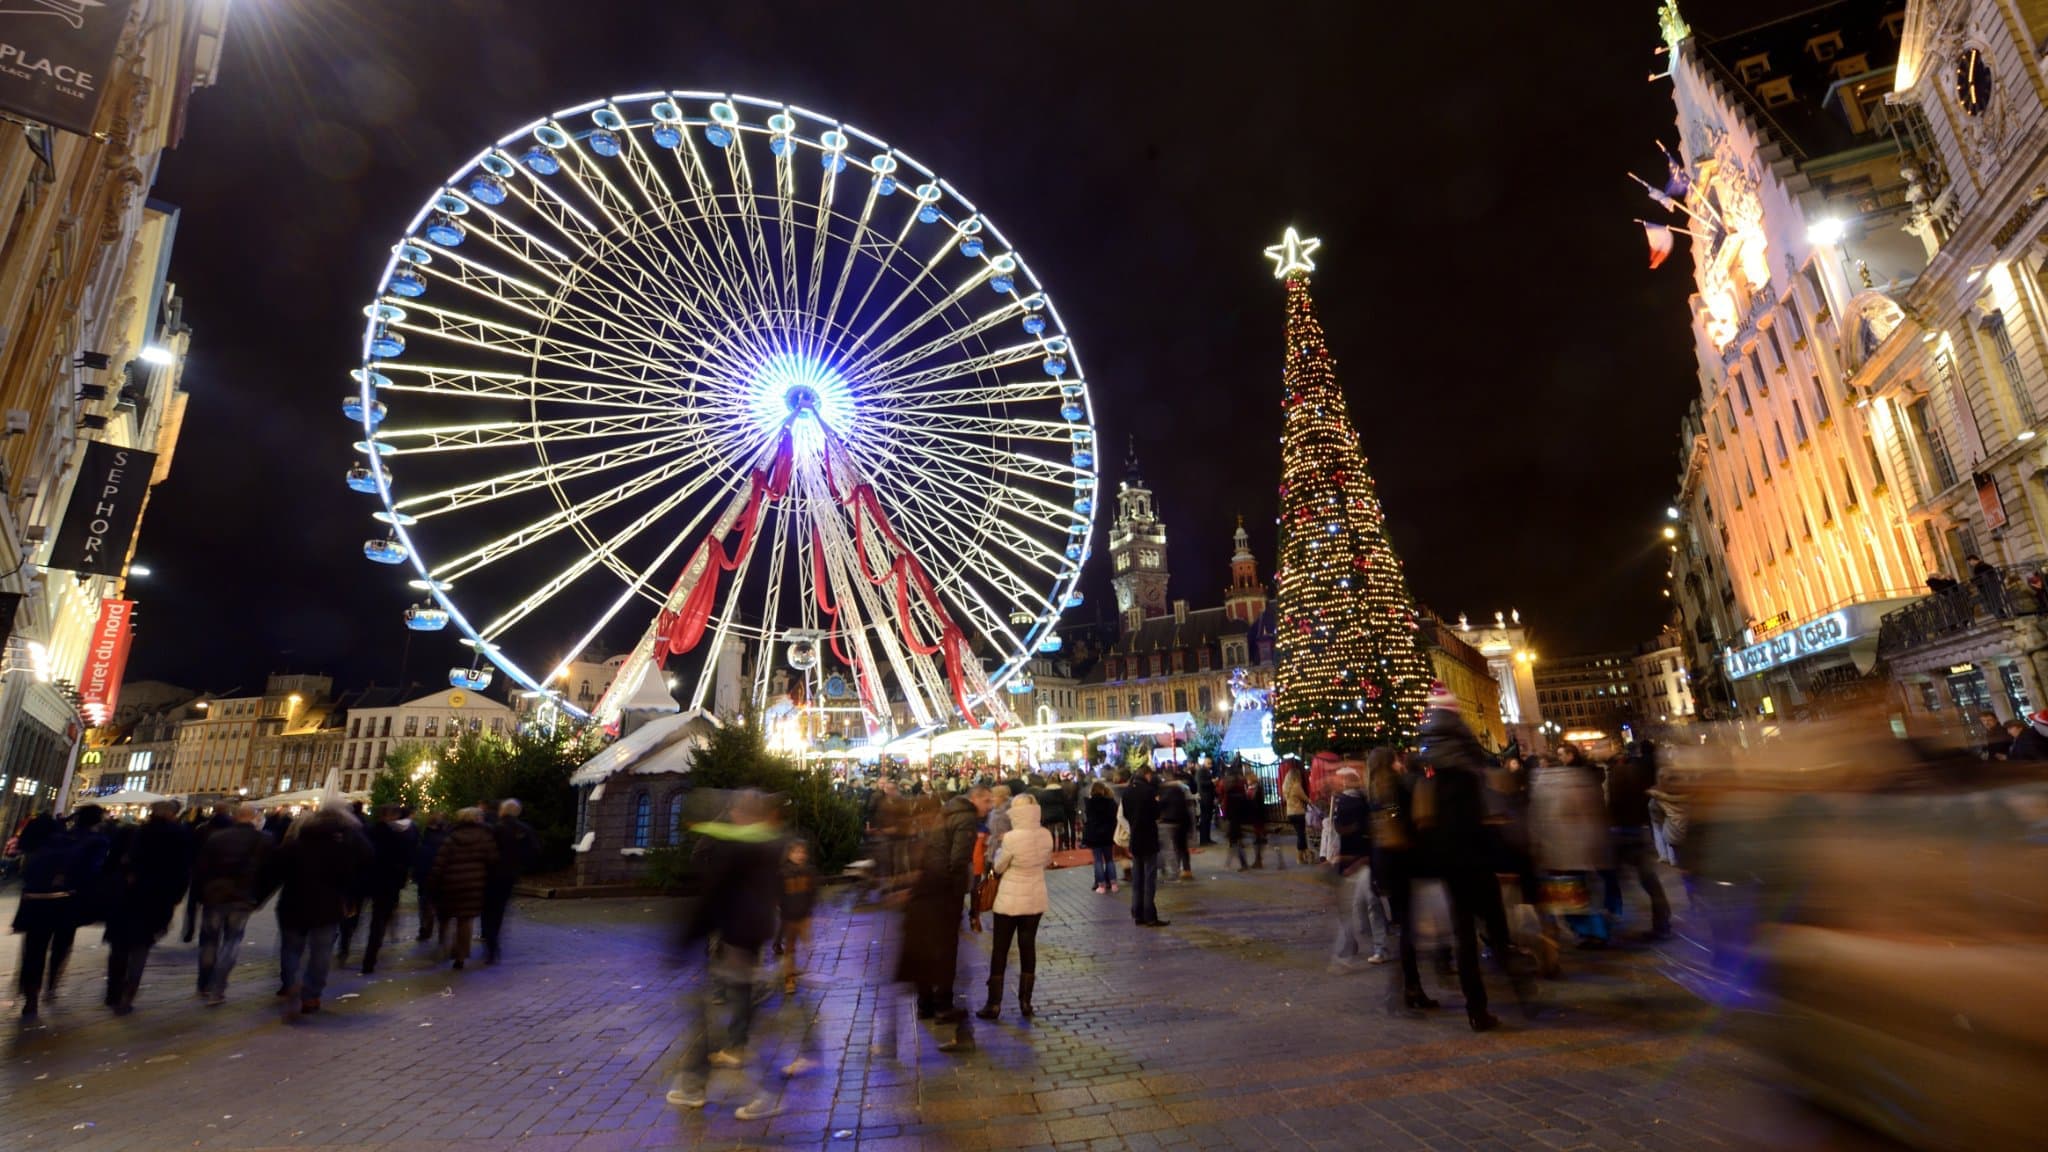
(412, 726)
(1203, 698)
(1742, 389)
(1756, 369)
(1776, 93)
(1158, 664)
(1798, 423)
(1876, 461)
(1763, 459)
(675, 818)
(387, 727)
(2009, 366)
(498, 725)
(1089, 705)
(1202, 659)
(1848, 485)
(1777, 348)
(355, 727)
(1814, 284)
(1137, 705)
(1929, 434)
(1180, 660)
(1180, 699)
(1778, 433)
(433, 727)
(1158, 702)
(643, 818)
(1113, 705)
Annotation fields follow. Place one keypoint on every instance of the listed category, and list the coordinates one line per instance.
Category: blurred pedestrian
(1021, 859)
(1098, 834)
(1141, 813)
(741, 859)
(1239, 814)
(462, 870)
(228, 876)
(321, 869)
(149, 874)
(1294, 801)
(930, 956)
(391, 847)
(1629, 780)
(1176, 823)
(218, 819)
(2031, 744)
(432, 836)
(1568, 820)
(1457, 767)
(1360, 916)
(518, 852)
(60, 875)
(799, 900)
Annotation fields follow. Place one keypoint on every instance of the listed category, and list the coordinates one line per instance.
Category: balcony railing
(1998, 594)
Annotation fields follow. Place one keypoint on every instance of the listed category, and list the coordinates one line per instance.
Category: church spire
(1131, 474)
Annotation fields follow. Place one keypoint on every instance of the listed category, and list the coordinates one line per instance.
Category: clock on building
(1973, 81)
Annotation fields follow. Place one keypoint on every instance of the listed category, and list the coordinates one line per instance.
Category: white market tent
(127, 797)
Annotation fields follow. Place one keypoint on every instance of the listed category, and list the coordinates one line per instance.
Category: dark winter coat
(2030, 744)
(1052, 805)
(1173, 804)
(392, 848)
(1628, 793)
(1098, 830)
(423, 855)
(461, 870)
(321, 869)
(62, 871)
(931, 922)
(1353, 820)
(518, 849)
(231, 865)
(149, 878)
(1241, 805)
(1141, 812)
(742, 875)
(1456, 838)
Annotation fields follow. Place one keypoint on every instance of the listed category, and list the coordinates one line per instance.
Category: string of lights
(1349, 670)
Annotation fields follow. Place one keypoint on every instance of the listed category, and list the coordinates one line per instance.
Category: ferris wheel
(737, 378)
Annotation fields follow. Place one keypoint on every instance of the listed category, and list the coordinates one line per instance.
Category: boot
(963, 1037)
(994, 1007)
(1024, 984)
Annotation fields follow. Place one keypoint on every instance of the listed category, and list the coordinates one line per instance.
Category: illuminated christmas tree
(1349, 670)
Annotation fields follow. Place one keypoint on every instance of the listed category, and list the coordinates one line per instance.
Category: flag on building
(1659, 237)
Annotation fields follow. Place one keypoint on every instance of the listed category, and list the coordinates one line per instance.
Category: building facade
(1511, 657)
(1469, 675)
(229, 746)
(1957, 360)
(93, 351)
(1795, 533)
(1164, 658)
(377, 724)
(1589, 699)
(1663, 683)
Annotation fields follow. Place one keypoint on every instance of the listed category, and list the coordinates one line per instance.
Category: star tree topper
(1291, 255)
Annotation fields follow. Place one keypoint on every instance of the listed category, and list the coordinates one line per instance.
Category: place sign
(1830, 631)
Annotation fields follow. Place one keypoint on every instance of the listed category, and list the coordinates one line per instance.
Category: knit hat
(1440, 697)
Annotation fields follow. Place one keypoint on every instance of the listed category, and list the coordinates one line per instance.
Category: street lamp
(157, 354)
(1826, 231)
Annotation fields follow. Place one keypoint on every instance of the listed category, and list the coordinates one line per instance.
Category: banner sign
(1830, 631)
(1991, 501)
(105, 505)
(106, 659)
(56, 57)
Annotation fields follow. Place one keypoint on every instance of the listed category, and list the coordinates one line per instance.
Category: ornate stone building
(1794, 536)
(91, 348)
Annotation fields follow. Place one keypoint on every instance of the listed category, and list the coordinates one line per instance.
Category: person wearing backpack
(58, 878)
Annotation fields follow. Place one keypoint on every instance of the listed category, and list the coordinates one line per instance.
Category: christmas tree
(1349, 669)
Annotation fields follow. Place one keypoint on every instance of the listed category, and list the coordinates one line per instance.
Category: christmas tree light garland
(1349, 668)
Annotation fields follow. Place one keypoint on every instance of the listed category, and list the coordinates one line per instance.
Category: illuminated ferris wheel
(717, 370)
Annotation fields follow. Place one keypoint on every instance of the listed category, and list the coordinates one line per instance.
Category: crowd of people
(326, 866)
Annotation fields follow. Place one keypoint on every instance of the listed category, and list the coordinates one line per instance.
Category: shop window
(2016, 689)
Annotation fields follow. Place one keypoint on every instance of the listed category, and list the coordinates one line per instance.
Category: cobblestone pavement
(1222, 1031)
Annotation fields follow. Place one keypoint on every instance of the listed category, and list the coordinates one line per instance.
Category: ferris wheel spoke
(521, 433)
(909, 381)
(949, 302)
(965, 542)
(582, 565)
(551, 474)
(518, 387)
(785, 235)
(1020, 395)
(705, 200)
(821, 242)
(748, 211)
(854, 246)
(947, 342)
(566, 517)
(883, 251)
(952, 450)
(511, 340)
(986, 426)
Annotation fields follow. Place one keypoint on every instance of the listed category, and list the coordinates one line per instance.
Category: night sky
(1516, 373)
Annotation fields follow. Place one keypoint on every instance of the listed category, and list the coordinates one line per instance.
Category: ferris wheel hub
(802, 398)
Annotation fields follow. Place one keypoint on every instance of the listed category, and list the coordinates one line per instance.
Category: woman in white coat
(1021, 860)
